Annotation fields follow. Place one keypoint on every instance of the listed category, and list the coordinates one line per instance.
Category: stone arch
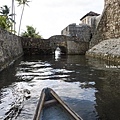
(59, 41)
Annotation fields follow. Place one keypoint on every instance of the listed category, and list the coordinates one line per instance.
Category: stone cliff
(109, 25)
(106, 39)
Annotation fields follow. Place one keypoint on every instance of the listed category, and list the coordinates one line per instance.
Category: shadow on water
(7, 76)
(90, 86)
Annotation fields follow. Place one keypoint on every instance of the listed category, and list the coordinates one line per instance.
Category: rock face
(10, 48)
(107, 49)
(109, 25)
(105, 43)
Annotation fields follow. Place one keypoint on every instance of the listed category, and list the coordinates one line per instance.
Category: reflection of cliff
(86, 70)
(107, 85)
(76, 59)
(7, 76)
(108, 96)
(103, 64)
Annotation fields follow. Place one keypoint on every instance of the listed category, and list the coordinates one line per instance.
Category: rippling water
(89, 86)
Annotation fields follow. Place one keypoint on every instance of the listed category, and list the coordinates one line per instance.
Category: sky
(50, 17)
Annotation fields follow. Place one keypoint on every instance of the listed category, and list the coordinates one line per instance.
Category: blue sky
(49, 17)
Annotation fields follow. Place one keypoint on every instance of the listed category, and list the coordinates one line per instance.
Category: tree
(23, 3)
(5, 11)
(31, 33)
(5, 18)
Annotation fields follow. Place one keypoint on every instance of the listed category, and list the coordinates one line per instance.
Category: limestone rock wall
(109, 25)
(10, 48)
(107, 49)
(105, 43)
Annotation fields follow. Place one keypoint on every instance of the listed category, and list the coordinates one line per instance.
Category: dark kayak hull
(51, 107)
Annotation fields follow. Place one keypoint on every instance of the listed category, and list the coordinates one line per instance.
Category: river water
(89, 86)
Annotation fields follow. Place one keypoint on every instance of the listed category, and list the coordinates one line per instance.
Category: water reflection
(87, 85)
(57, 54)
(108, 86)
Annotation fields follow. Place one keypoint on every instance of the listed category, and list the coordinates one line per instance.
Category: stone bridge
(67, 45)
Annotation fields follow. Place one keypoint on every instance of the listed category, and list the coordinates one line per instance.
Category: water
(90, 87)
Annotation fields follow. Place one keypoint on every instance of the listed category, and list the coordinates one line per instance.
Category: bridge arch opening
(61, 50)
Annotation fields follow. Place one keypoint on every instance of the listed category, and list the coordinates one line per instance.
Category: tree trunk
(14, 20)
(12, 14)
(21, 19)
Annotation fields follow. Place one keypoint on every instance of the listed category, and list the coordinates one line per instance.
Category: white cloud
(51, 16)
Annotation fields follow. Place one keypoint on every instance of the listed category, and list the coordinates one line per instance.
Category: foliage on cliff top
(31, 32)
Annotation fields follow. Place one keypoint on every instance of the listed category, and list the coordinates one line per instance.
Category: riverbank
(107, 50)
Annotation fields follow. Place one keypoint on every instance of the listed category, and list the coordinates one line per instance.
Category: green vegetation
(31, 33)
(5, 18)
